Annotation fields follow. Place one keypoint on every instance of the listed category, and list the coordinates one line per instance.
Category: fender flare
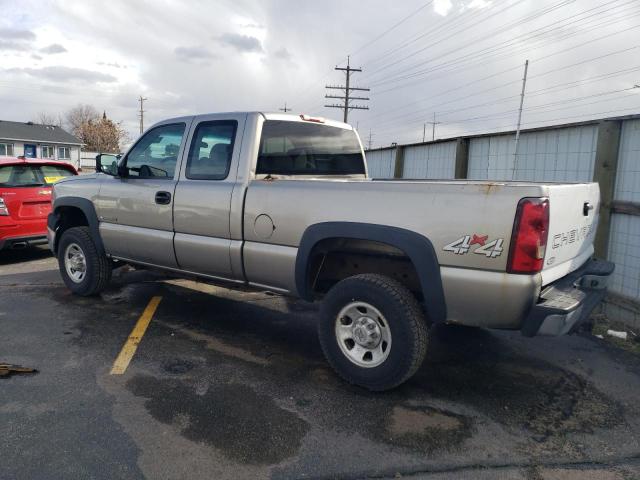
(417, 247)
(89, 211)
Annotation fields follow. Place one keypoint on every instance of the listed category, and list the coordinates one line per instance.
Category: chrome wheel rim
(75, 262)
(363, 334)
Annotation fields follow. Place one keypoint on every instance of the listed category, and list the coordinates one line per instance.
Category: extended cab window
(297, 148)
(211, 149)
(156, 153)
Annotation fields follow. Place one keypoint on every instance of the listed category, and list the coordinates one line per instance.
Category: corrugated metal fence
(559, 154)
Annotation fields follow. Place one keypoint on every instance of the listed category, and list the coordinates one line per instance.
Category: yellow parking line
(131, 345)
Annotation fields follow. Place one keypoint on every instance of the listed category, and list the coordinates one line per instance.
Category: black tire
(405, 319)
(98, 266)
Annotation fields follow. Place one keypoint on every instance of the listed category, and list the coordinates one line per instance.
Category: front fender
(56, 219)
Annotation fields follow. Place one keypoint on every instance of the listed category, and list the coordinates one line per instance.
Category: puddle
(425, 428)
(178, 367)
(246, 426)
(478, 370)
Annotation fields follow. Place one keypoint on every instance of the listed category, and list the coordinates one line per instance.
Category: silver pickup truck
(282, 202)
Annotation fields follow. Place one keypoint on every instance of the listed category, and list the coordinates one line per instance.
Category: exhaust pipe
(19, 245)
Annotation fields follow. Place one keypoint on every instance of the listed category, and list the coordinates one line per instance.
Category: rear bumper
(9, 243)
(568, 301)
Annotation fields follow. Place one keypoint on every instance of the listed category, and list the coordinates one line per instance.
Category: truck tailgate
(573, 219)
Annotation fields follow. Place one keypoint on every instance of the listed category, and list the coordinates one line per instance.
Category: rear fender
(418, 248)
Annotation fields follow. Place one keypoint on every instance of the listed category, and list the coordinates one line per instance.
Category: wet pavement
(234, 385)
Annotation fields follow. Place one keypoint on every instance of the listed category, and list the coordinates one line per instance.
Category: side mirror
(107, 163)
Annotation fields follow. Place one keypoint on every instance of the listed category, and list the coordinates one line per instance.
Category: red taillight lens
(529, 239)
(4, 211)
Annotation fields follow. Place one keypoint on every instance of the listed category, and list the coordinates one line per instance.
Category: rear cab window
(297, 148)
(24, 175)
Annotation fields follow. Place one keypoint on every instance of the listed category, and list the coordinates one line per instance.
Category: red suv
(25, 199)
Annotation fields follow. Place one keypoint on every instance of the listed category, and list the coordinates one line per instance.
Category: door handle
(163, 198)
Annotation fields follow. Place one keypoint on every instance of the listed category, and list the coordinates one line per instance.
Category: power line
(494, 50)
(347, 88)
(451, 20)
(487, 53)
(475, 93)
(475, 41)
(369, 43)
(393, 27)
(542, 107)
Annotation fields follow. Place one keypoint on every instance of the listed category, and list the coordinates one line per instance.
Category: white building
(38, 141)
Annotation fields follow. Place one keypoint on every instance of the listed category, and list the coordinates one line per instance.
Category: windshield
(295, 148)
(32, 175)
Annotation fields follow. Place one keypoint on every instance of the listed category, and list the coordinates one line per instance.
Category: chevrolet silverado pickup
(283, 203)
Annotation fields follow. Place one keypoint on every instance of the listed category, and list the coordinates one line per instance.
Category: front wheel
(373, 331)
(85, 271)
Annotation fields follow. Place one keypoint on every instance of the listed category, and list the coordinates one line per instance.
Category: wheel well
(334, 259)
(69, 217)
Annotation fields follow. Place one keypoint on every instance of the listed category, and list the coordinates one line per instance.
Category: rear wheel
(372, 331)
(84, 270)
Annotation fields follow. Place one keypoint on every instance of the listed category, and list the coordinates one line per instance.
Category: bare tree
(97, 132)
(45, 118)
(78, 117)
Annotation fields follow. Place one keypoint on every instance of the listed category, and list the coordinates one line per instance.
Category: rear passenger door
(202, 205)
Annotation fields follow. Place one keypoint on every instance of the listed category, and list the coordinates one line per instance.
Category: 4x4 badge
(462, 245)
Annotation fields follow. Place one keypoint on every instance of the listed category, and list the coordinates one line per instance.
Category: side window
(211, 150)
(156, 153)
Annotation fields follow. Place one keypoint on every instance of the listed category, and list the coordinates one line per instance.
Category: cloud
(53, 48)
(253, 25)
(65, 74)
(16, 46)
(36, 57)
(442, 7)
(17, 34)
(187, 54)
(112, 64)
(283, 54)
(242, 43)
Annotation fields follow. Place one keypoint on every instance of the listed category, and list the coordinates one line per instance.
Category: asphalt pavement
(228, 384)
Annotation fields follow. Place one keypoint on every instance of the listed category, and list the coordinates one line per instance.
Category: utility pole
(370, 142)
(285, 109)
(141, 114)
(347, 88)
(515, 150)
(433, 128)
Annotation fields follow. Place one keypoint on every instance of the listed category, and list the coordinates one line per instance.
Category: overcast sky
(460, 59)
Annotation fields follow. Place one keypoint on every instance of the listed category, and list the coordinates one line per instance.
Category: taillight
(309, 118)
(529, 239)
(4, 211)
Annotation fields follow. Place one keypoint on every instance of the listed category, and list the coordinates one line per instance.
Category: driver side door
(135, 209)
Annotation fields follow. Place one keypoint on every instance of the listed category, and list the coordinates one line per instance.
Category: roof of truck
(290, 117)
